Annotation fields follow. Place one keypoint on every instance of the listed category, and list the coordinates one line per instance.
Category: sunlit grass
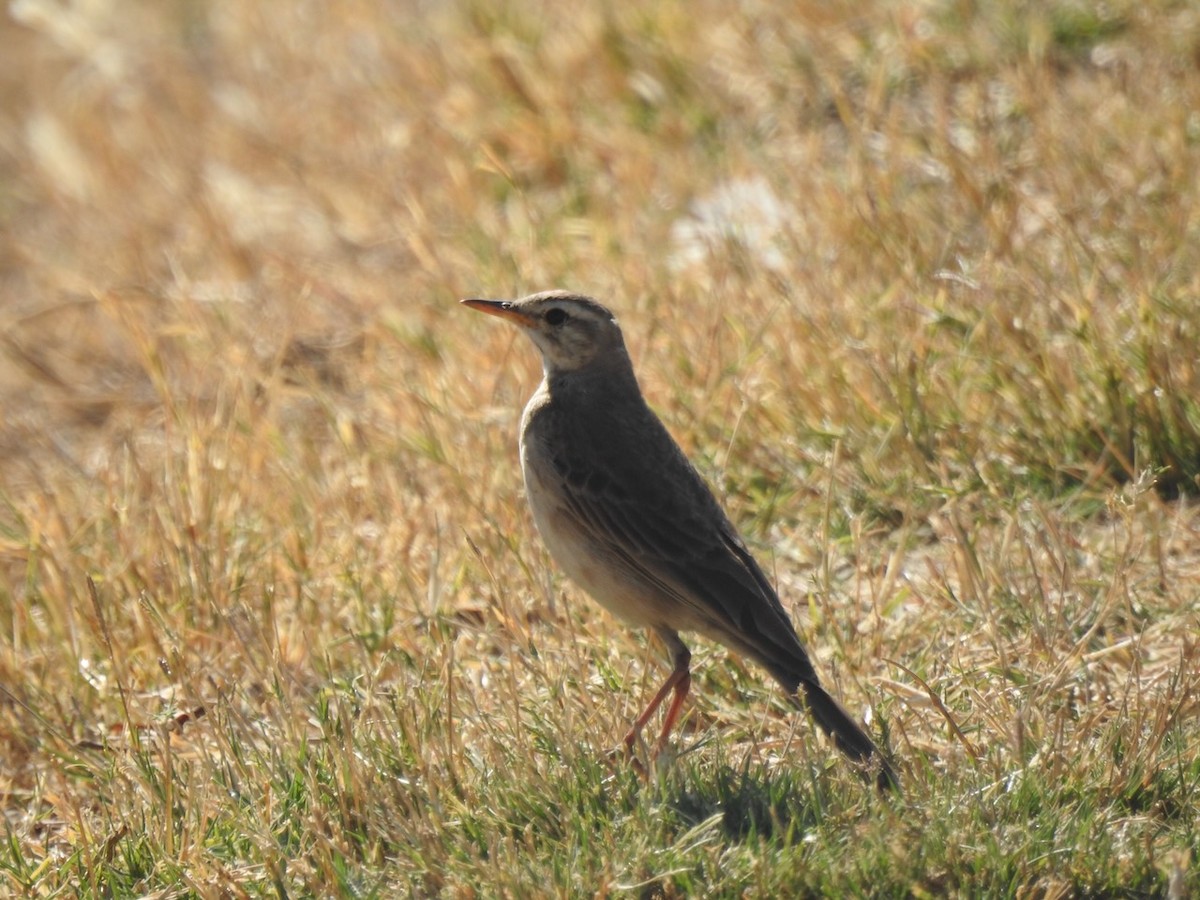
(915, 285)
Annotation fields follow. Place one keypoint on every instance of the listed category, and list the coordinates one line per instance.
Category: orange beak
(502, 308)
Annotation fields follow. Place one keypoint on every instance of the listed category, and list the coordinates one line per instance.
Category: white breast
(578, 553)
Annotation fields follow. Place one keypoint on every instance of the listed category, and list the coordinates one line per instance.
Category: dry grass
(915, 283)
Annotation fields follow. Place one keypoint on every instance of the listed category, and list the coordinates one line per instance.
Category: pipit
(632, 522)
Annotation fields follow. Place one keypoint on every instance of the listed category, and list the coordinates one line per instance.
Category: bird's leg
(682, 686)
(679, 682)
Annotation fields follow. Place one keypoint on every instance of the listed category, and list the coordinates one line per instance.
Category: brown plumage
(629, 519)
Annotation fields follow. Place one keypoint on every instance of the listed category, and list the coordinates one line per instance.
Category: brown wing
(656, 516)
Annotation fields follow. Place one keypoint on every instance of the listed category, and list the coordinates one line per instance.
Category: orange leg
(679, 682)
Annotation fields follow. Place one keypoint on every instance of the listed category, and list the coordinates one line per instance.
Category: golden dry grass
(916, 284)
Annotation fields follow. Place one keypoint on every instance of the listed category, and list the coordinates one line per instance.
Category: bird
(629, 519)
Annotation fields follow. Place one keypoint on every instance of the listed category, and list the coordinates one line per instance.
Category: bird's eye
(555, 316)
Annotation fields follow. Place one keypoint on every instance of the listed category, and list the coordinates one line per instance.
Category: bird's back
(607, 483)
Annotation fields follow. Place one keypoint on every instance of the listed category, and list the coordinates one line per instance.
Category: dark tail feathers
(846, 733)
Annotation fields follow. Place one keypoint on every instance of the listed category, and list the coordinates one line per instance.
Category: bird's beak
(505, 309)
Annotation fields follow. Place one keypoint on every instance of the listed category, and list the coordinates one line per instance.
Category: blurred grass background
(917, 285)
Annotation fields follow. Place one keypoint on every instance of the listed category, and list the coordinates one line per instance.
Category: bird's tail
(846, 734)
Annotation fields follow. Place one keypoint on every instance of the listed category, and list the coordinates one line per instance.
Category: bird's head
(572, 332)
